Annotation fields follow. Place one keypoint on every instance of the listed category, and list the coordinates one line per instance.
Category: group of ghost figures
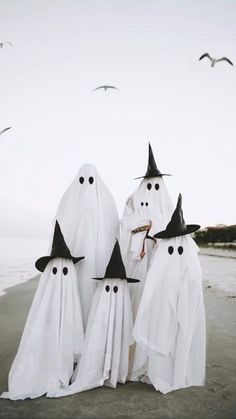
(117, 310)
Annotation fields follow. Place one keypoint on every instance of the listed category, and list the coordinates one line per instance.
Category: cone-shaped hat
(115, 268)
(59, 250)
(152, 170)
(177, 226)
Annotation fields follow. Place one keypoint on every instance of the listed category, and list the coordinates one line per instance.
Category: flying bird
(105, 87)
(4, 130)
(5, 43)
(215, 60)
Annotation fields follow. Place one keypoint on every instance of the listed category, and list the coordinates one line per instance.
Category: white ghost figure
(53, 336)
(89, 220)
(146, 212)
(170, 323)
(105, 359)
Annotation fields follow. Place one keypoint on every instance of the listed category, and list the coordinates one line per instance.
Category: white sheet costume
(146, 212)
(89, 220)
(109, 332)
(53, 336)
(170, 323)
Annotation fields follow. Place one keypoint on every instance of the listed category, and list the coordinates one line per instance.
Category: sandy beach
(132, 400)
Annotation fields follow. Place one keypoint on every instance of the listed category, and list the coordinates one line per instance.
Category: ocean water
(18, 256)
(17, 259)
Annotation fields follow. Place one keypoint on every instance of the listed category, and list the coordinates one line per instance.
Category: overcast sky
(149, 50)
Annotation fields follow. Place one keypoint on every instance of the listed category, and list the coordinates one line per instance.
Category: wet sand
(132, 400)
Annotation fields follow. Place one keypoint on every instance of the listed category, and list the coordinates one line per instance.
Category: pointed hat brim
(165, 234)
(42, 262)
(152, 176)
(115, 268)
(127, 279)
(152, 169)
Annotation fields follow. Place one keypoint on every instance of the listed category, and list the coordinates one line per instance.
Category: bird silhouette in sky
(105, 87)
(215, 60)
(4, 130)
(5, 43)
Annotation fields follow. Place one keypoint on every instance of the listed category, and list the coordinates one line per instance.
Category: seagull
(4, 130)
(106, 87)
(5, 43)
(215, 60)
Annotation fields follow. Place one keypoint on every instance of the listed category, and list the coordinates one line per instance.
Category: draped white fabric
(89, 221)
(108, 336)
(53, 336)
(149, 203)
(170, 323)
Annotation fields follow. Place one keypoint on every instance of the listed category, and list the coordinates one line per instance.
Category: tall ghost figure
(53, 336)
(88, 217)
(109, 332)
(170, 323)
(146, 212)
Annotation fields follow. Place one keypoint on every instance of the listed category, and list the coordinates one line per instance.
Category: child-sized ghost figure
(170, 324)
(108, 335)
(146, 212)
(53, 336)
(89, 220)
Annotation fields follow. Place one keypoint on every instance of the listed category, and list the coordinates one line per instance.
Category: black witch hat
(177, 226)
(115, 268)
(59, 250)
(152, 170)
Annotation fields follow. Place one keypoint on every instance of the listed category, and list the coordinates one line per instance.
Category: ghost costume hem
(163, 386)
(8, 395)
(160, 385)
(83, 386)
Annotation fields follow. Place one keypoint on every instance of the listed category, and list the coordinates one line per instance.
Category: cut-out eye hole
(157, 186)
(65, 271)
(146, 204)
(149, 186)
(180, 250)
(107, 288)
(54, 270)
(170, 250)
(91, 179)
(115, 289)
(142, 204)
(81, 179)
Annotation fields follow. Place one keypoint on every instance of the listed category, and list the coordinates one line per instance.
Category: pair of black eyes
(90, 179)
(149, 186)
(171, 250)
(64, 270)
(115, 288)
(144, 203)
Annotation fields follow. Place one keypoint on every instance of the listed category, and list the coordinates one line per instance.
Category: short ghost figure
(89, 220)
(108, 335)
(170, 324)
(146, 212)
(53, 336)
